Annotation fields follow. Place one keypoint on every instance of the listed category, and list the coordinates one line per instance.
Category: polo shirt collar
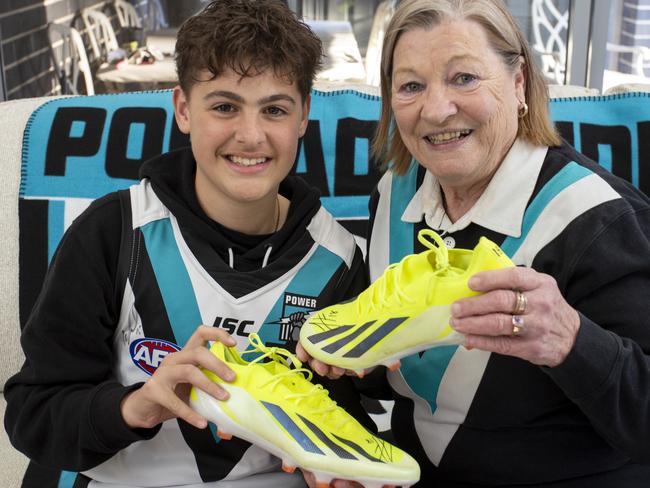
(501, 206)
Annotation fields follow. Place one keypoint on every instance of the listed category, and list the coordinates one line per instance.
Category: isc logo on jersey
(147, 354)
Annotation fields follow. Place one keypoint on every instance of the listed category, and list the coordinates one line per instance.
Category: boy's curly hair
(249, 37)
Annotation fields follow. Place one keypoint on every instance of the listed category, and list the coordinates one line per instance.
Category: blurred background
(52, 47)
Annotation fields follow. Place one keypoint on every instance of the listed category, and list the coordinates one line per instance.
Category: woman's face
(455, 102)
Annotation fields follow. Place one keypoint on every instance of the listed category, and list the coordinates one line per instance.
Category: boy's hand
(165, 395)
(323, 369)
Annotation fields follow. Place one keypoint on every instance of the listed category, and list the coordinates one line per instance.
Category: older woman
(552, 386)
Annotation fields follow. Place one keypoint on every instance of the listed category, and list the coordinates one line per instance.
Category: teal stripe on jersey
(67, 479)
(309, 281)
(568, 175)
(423, 372)
(173, 279)
(401, 233)
(174, 283)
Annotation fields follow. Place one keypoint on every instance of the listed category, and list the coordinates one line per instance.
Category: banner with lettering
(80, 148)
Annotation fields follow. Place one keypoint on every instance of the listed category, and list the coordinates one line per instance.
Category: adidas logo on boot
(405, 311)
(276, 407)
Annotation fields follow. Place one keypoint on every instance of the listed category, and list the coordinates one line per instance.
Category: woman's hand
(165, 395)
(543, 333)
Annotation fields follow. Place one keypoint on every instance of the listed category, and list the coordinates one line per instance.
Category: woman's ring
(517, 324)
(520, 303)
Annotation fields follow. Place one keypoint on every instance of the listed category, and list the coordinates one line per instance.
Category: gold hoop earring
(522, 111)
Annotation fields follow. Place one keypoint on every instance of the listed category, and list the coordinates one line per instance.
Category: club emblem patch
(147, 353)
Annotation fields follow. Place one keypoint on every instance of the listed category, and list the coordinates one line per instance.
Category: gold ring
(521, 302)
(517, 324)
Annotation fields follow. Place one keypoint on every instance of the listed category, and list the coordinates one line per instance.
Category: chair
(127, 16)
(130, 24)
(549, 29)
(380, 21)
(111, 71)
(156, 19)
(100, 33)
(640, 55)
(69, 59)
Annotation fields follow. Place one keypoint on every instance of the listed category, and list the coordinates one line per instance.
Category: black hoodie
(172, 176)
(63, 407)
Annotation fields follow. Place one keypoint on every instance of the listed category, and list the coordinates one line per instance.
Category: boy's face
(244, 134)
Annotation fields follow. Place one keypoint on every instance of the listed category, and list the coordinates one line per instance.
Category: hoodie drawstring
(265, 261)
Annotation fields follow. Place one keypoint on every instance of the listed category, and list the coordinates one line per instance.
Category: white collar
(501, 206)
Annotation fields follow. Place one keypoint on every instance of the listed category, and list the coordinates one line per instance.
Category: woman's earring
(522, 111)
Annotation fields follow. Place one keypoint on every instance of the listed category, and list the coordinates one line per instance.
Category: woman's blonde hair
(507, 41)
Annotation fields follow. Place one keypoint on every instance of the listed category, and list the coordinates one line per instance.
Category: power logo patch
(148, 353)
(295, 309)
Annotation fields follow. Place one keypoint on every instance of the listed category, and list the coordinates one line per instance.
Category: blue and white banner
(80, 148)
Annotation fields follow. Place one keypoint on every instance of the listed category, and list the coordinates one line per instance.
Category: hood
(172, 178)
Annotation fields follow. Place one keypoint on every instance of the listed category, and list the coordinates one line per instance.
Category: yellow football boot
(274, 406)
(405, 311)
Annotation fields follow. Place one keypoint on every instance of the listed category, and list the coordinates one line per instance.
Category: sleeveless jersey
(167, 295)
(437, 389)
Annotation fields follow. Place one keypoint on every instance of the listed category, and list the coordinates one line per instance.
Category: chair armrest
(14, 463)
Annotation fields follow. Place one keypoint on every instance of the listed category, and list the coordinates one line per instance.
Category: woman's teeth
(448, 136)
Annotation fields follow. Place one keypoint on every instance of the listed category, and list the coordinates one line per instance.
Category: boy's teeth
(246, 161)
(447, 136)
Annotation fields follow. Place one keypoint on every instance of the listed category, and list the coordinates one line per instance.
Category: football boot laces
(387, 290)
(297, 379)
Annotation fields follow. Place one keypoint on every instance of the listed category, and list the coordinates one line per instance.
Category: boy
(217, 234)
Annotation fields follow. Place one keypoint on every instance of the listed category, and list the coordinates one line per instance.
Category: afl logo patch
(147, 354)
